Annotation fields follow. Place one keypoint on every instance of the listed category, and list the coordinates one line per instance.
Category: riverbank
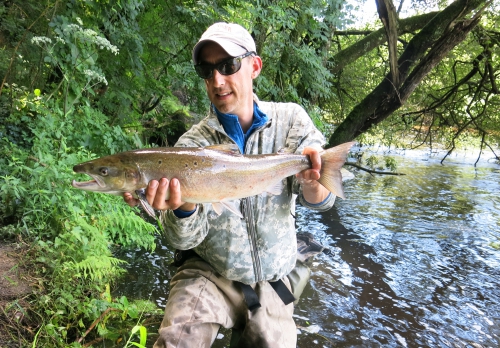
(15, 287)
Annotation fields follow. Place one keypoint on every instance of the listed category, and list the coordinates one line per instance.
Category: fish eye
(103, 171)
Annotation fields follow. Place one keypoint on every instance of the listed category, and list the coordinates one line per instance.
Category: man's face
(231, 93)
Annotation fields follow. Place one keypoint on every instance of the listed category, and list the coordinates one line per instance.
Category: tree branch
(371, 171)
(351, 32)
(376, 38)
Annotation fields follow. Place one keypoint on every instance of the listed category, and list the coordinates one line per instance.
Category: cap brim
(231, 48)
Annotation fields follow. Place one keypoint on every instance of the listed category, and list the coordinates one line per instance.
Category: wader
(260, 315)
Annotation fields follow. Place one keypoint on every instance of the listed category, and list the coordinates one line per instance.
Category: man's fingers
(157, 192)
(160, 189)
(313, 173)
(129, 199)
(175, 194)
(314, 156)
(308, 175)
(151, 191)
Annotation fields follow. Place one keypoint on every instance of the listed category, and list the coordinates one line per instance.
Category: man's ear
(256, 66)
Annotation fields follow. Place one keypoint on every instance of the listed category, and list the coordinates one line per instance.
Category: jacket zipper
(248, 215)
(246, 209)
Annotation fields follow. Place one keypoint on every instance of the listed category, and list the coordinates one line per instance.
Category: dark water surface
(414, 262)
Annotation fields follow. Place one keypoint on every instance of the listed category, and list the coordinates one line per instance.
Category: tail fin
(332, 161)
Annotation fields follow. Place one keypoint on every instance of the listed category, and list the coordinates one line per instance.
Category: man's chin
(224, 108)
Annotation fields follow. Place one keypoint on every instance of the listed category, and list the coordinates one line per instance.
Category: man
(235, 273)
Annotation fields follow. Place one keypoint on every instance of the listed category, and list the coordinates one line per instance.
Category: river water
(415, 263)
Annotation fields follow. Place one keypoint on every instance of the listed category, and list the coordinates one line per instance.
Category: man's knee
(187, 335)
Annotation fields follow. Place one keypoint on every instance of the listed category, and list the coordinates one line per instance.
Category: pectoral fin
(144, 203)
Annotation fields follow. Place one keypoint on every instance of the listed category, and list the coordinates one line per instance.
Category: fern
(95, 267)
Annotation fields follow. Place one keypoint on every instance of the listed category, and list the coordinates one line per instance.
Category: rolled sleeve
(321, 206)
(326, 204)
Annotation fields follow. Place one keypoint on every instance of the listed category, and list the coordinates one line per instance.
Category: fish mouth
(95, 184)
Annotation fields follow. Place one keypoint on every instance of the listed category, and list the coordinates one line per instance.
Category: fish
(216, 174)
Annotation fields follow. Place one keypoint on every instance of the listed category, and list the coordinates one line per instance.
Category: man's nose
(218, 78)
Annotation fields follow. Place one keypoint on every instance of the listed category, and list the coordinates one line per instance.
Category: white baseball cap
(233, 38)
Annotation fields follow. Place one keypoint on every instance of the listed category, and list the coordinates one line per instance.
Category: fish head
(110, 174)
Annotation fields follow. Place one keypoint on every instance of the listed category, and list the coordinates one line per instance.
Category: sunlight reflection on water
(422, 271)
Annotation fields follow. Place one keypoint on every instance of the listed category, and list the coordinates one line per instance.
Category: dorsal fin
(285, 151)
(229, 148)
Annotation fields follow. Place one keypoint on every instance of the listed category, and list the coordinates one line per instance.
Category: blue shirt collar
(232, 126)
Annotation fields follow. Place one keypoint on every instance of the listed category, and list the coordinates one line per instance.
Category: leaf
(133, 312)
(143, 335)
(137, 345)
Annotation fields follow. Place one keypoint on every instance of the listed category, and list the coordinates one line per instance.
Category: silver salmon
(214, 174)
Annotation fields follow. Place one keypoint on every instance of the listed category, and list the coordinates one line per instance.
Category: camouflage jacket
(263, 245)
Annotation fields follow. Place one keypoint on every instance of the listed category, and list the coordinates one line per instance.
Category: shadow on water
(413, 264)
(346, 286)
(370, 286)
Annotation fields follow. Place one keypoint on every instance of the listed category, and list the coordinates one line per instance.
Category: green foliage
(372, 161)
(294, 45)
(83, 79)
(389, 163)
(143, 335)
(74, 52)
(72, 230)
(72, 319)
(44, 132)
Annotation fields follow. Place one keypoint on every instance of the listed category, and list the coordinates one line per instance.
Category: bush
(71, 230)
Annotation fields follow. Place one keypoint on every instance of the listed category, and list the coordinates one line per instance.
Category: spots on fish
(186, 165)
(195, 163)
(159, 162)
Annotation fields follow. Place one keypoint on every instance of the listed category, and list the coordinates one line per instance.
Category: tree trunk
(446, 30)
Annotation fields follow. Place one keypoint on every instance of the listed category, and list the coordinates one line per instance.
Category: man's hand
(156, 194)
(311, 174)
(312, 190)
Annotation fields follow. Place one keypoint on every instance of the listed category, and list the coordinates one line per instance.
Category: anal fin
(219, 207)
(275, 189)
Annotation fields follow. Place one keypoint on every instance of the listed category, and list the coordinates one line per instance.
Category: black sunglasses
(226, 67)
